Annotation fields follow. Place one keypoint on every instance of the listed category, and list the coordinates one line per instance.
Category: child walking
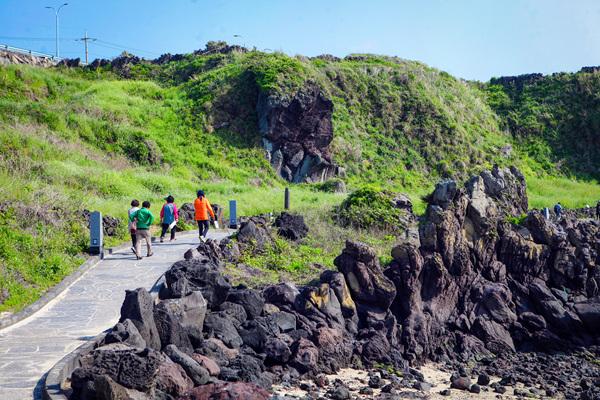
(169, 216)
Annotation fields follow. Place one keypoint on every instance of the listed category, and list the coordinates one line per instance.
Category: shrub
(369, 208)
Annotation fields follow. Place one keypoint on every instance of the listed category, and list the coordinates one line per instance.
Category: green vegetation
(555, 118)
(370, 208)
(75, 139)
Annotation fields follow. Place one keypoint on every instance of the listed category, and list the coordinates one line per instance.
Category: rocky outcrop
(472, 287)
(297, 131)
(502, 287)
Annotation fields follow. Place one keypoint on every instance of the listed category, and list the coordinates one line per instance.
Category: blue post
(233, 214)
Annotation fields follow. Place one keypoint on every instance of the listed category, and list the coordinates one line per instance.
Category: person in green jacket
(143, 219)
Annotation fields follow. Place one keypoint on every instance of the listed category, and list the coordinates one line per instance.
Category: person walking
(558, 210)
(135, 205)
(169, 216)
(202, 209)
(598, 210)
(143, 219)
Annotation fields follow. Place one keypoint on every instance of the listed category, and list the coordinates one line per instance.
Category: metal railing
(28, 52)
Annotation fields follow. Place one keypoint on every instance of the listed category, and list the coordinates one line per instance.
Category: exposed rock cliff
(297, 132)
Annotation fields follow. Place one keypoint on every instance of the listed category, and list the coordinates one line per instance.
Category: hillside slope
(94, 138)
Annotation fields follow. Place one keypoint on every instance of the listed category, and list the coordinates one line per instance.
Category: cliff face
(297, 132)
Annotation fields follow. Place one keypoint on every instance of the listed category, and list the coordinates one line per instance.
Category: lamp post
(56, 11)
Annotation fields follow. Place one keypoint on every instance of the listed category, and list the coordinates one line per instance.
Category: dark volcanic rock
(297, 132)
(138, 307)
(468, 285)
(291, 226)
(132, 368)
(199, 274)
(197, 373)
(364, 276)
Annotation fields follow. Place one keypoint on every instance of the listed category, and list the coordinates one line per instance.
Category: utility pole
(85, 40)
(56, 11)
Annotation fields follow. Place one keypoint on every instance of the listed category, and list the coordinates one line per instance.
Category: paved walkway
(89, 306)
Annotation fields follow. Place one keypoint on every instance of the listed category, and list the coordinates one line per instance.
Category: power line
(33, 39)
(120, 46)
(85, 39)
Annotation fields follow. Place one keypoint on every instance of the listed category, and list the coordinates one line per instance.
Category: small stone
(375, 381)
(321, 381)
(366, 390)
(475, 388)
(422, 386)
(387, 388)
(446, 392)
(483, 379)
(340, 392)
(500, 389)
(461, 382)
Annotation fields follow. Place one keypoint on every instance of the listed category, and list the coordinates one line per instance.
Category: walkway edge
(52, 382)
(55, 290)
(50, 294)
(60, 287)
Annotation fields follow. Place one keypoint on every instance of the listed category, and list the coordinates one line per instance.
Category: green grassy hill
(75, 139)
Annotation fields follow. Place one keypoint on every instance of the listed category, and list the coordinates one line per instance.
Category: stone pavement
(89, 306)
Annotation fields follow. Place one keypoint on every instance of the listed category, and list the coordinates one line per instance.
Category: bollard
(286, 201)
(233, 214)
(96, 234)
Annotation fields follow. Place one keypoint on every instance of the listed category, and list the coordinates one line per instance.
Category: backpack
(168, 213)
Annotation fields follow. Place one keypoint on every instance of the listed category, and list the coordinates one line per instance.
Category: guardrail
(28, 52)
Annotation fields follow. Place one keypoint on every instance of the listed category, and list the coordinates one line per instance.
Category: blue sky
(470, 39)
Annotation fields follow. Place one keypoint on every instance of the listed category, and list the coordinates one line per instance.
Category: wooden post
(286, 202)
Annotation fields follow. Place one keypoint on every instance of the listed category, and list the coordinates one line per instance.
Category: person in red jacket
(202, 209)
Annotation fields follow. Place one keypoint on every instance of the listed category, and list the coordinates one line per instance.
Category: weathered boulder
(172, 379)
(364, 276)
(180, 321)
(305, 355)
(202, 275)
(254, 233)
(138, 307)
(217, 325)
(291, 226)
(252, 300)
(129, 367)
(125, 332)
(198, 374)
(281, 294)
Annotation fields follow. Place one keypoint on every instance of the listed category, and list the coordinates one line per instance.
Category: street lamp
(56, 11)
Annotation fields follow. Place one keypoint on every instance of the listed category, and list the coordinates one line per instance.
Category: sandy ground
(439, 379)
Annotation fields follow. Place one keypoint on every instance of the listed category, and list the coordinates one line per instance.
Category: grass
(302, 262)
(572, 193)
